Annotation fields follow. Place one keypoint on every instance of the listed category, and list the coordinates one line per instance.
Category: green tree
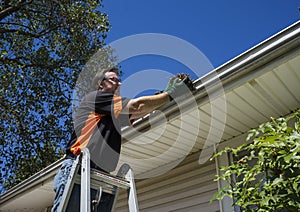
(44, 44)
(267, 178)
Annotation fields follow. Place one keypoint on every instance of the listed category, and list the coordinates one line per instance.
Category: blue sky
(220, 29)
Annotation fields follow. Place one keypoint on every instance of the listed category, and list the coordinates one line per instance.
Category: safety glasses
(114, 79)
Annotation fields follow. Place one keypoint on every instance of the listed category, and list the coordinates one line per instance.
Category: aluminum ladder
(99, 182)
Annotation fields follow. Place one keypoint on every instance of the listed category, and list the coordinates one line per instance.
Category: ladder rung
(97, 175)
(95, 184)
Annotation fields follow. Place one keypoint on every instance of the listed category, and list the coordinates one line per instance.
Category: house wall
(188, 187)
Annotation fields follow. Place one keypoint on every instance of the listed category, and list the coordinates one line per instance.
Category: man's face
(110, 83)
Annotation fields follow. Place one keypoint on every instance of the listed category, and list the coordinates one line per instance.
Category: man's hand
(179, 85)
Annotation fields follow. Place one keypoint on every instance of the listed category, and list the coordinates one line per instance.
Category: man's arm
(141, 106)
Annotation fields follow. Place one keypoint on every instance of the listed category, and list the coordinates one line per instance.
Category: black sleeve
(100, 102)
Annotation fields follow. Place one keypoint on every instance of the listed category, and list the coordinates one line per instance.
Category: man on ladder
(98, 122)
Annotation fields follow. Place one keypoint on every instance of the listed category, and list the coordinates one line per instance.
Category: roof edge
(31, 182)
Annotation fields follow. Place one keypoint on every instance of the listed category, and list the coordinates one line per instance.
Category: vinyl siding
(188, 187)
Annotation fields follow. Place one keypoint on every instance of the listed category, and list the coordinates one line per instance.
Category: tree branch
(29, 34)
(9, 10)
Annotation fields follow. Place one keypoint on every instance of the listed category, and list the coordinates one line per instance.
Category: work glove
(179, 85)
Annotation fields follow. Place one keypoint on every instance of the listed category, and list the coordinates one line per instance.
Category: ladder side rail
(115, 199)
(69, 185)
(85, 193)
(132, 194)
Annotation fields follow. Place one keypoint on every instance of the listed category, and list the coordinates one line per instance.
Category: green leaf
(287, 158)
(277, 181)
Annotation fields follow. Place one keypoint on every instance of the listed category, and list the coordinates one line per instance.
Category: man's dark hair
(100, 76)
